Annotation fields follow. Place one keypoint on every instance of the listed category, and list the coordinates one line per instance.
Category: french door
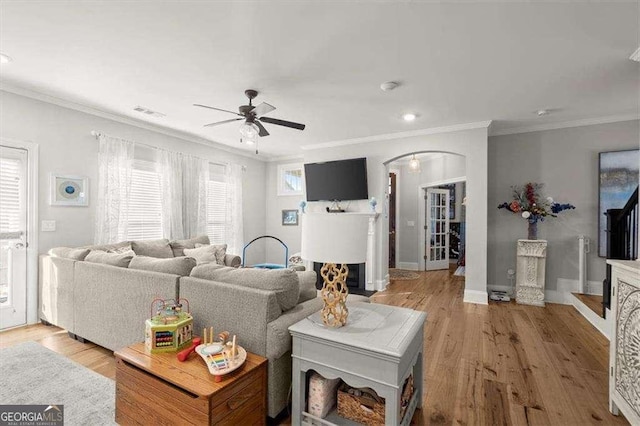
(436, 238)
(13, 236)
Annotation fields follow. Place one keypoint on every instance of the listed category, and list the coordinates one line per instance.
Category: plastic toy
(170, 329)
(267, 265)
(183, 355)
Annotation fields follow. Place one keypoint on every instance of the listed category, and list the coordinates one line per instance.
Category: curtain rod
(97, 134)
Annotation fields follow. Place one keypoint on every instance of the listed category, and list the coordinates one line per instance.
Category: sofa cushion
(69, 253)
(221, 252)
(177, 265)
(152, 248)
(208, 254)
(307, 282)
(284, 282)
(178, 246)
(121, 260)
(111, 248)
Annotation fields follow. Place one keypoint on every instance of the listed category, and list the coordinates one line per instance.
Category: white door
(13, 226)
(436, 247)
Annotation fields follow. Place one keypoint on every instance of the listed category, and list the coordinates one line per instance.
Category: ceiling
(321, 63)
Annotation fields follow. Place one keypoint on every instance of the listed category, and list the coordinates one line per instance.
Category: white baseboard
(476, 296)
(383, 283)
(411, 266)
(603, 325)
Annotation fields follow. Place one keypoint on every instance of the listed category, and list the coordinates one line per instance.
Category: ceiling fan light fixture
(249, 131)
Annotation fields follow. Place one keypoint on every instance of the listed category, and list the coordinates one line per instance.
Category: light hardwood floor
(484, 365)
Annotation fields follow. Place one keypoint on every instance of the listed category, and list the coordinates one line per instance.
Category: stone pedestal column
(530, 272)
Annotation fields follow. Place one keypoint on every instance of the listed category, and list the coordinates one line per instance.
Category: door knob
(19, 245)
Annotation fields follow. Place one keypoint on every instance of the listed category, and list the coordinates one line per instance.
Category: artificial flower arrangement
(528, 201)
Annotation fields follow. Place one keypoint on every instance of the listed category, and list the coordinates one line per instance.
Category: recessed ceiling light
(542, 112)
(409, 117)
(635, 56)
(5, 59)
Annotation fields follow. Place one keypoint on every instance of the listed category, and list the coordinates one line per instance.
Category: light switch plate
(411, 223)
(48, 225)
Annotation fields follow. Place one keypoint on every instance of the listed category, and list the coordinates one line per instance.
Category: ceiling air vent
(147, 111)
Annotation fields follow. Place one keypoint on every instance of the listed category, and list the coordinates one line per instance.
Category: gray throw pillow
(177, 265)
(284, 282)
(152, 248)
(113, 259)
(220, 251)
(69, 253)
(178, 246)
(206, 254)
(307, 280)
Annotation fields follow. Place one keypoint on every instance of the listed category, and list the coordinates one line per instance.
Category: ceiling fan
(252, 116)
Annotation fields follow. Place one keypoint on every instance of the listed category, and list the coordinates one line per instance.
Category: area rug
(402, 274)
(32, 374)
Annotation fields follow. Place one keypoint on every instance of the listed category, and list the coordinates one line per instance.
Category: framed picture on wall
(290, 217)
(69, 190)
(618, 179)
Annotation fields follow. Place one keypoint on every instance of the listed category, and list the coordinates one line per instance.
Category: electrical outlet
(411, 223)
(48, 226)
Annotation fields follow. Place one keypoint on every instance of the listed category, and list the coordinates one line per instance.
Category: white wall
(470, 143)
(434, 168)
(66, 146)
(566, 161)
(290, 235)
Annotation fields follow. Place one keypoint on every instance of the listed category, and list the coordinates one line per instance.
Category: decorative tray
(218, 360)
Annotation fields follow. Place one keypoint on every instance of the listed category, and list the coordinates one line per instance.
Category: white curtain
(184, 190)
(195, 175)
(233, 224)
(115, 163)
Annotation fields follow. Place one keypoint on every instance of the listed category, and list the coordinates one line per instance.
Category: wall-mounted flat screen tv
(337, 180)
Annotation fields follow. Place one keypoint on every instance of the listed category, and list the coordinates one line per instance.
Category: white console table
(379, 347)
(530, 272)
(624, 346)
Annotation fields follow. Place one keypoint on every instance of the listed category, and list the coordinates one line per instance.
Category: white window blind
(11, 210)
(216, 204)
(145, 202)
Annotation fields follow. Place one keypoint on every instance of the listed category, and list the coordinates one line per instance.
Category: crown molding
(285, 158)
(76, 106)
(400, 135)
(566, 124)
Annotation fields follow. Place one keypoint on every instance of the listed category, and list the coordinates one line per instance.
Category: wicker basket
(360, 405)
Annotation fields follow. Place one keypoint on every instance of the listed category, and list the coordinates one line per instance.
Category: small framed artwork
(69, 190)
(290, 217)
(290, 179)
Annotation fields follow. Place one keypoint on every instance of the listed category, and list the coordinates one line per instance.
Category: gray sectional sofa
(108, 304)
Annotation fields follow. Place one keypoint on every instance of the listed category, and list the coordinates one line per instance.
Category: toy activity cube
(170, 329)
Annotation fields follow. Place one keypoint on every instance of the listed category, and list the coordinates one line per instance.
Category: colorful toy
(221, 357)
(170, 329)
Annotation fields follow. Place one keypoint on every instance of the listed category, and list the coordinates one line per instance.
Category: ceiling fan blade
(263, 131)
(221, 122)
(262, 109)
(284, 123)
(218, 109)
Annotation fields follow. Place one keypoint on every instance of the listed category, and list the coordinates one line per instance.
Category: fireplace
(355, 278)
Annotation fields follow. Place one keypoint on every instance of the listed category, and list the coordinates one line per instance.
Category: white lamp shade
(335, 237)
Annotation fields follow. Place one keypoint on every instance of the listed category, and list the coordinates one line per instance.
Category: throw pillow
(152, 248)
(219, 249)
(177, 266)
(109, 247)
(284, 282)
(307, 280)
(69, 253)
(120, 260)
(207, 254)
(178, 246)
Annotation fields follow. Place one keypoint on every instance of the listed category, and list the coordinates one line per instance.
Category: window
(290, 179)
(216, 204)
(12, 214)
(145, 202)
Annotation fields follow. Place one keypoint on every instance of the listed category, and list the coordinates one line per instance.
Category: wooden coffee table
(158, 389)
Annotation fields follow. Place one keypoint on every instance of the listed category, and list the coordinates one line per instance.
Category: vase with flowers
(529, 202)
